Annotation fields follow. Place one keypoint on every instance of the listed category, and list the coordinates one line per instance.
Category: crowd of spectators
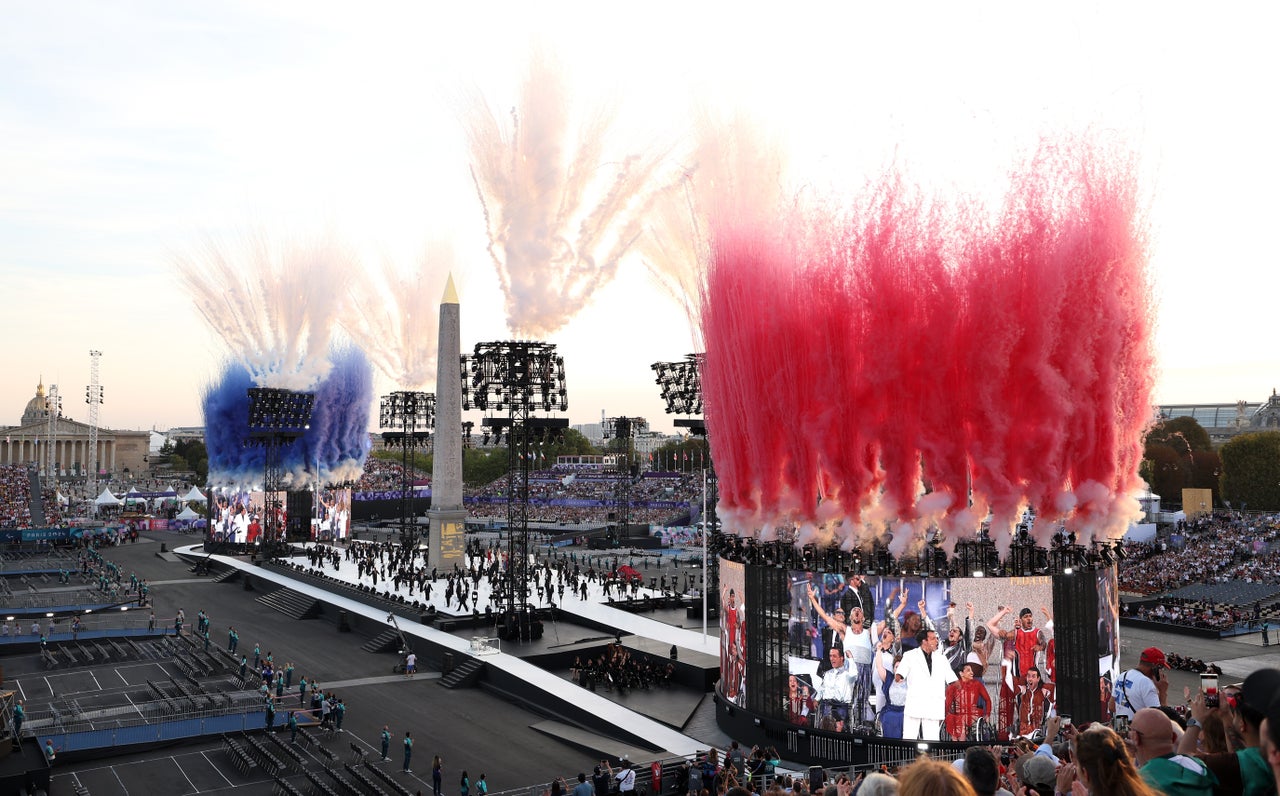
(381, 474)
(15, 496)
(1193, 613)
(1211, 550)
(569, 483)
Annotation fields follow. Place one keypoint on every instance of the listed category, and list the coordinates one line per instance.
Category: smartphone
(1121, 724)
(1066, 720)
(1209, 687)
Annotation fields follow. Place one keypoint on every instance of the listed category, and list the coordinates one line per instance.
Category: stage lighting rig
(680, 385)
(624, 430)
(277, 417)
(518, 377)
(407, 411)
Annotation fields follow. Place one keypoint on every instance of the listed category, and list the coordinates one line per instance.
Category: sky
(132, 131)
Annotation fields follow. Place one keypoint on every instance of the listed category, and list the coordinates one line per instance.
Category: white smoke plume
(559, 214)
(274, 304)
(394, 317)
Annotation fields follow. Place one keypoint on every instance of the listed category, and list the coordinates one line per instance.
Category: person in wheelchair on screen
(967, 702)
(834, 694)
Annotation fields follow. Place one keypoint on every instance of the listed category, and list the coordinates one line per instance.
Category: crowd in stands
(381, 474)
(1193, 613)
(1214, 550)
(564, 483)
(15, 496)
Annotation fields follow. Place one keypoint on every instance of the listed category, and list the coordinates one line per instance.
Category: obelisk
(448, 518)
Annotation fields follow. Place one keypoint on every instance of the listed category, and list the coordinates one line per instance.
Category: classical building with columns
(27, 443)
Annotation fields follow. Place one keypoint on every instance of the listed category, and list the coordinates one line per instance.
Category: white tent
(107, 499)
(132, 490)
(194, 496)
(187, 514)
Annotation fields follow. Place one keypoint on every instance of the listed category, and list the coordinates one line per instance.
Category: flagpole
(704, 554)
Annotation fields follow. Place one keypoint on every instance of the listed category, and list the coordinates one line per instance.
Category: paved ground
(469, 728)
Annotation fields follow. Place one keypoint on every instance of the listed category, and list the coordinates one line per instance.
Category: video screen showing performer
(1013, 656)
(969, 659)
(733, 632)
(332, 520)
(849, 634)
(236, 516)
(1108, 637)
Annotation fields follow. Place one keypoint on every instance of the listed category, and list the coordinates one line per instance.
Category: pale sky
(129, 130)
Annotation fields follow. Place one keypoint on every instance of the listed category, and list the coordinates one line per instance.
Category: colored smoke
(728, 159)
(274, 304)
(333, 449)
(394, 318)
(559, 213)
(904, 365)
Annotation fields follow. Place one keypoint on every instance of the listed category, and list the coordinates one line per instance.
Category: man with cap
(1142, 686)
(1246, 771)
(1152, 737)
(1037, 773)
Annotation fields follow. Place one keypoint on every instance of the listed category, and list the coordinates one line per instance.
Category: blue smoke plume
(334, 448)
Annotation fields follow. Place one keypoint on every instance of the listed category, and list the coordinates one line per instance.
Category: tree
(1183, 434)
(1251, 471)
(195, 456)
(483, 466)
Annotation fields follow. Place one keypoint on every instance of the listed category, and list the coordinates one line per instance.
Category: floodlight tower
(277, 417)
(53, 411)
(407, 411)
(623, 429)
(519, 377)
(681, 387)
(93, 397)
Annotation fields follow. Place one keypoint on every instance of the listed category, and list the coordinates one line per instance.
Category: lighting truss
(680, 385)
(405, 412)
(277, 417)
(517, 377)
(624, 429)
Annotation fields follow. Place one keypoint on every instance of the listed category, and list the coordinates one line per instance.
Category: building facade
(28, 443)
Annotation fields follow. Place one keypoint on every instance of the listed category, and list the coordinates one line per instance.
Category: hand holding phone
(1209, 685)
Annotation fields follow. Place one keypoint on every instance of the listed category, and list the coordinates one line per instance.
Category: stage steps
(464, 675)
(384, 641)
(228, 576)
(292, 604)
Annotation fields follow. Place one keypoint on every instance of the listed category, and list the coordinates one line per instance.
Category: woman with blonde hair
(927, 777)
(1102, 767)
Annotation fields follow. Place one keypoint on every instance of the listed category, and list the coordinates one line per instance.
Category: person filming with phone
(1144, 686)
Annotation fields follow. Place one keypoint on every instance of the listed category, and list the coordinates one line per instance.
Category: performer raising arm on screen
(858, 647)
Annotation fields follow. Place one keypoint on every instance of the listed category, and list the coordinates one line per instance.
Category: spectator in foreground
(983, 773)
(1102, 767)
(927, 777)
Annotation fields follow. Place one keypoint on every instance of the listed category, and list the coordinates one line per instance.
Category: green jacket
(1179, 775)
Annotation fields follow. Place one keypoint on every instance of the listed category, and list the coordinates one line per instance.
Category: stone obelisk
(448, 518)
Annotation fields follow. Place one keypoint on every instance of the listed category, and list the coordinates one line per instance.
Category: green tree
(1251, 471)
(421, 462)
(1183, 434)
(196, 456)
(482, 466)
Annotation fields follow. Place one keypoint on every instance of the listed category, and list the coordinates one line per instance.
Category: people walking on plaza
(437, 771)
(386, 743)
(408, 751)
(233, 639)
(339, 711)
(244, 667)
(464, 785)
(293, 726)
(288, 675)
(302, 692)
(151, 623)
(271, 714)
(257, 655)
